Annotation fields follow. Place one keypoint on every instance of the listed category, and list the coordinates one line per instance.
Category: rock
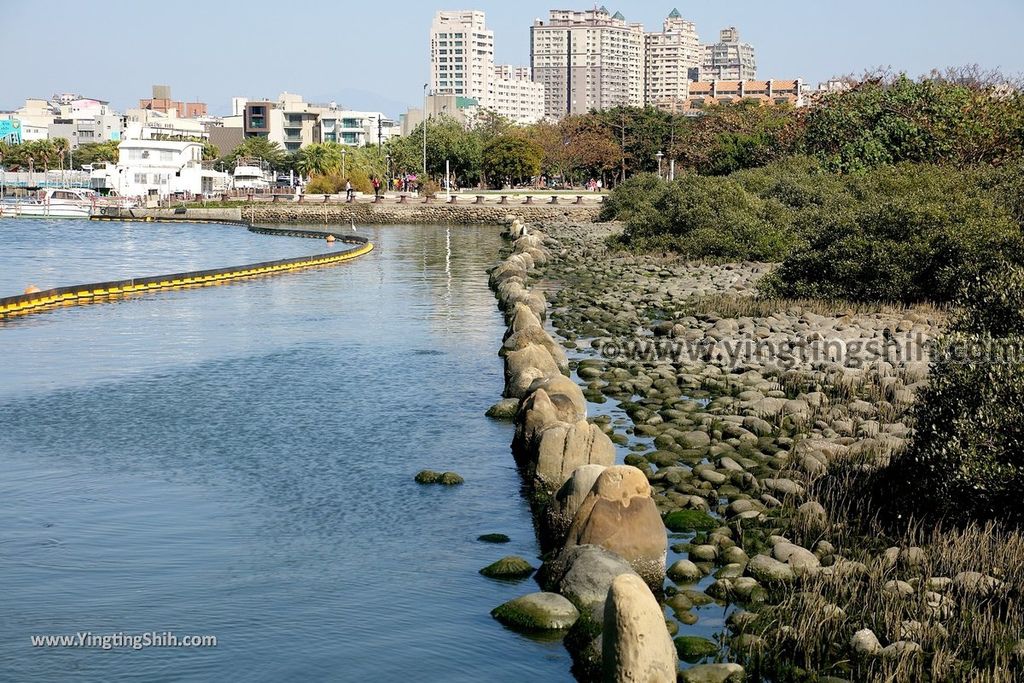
(693, 648)
(450, 479)
(786, 487)
(713, 673)
(583, 574)
(560, 511)
(865, 643)
(769, 570)
(428, 477)
(511, 567)
(684, 571)
(520, 318)
(636, 645)
(690, 520)
(695, 439)
(563, 447)
(800, 559)
(504, 409)
(901, 648)
(975, 584)
(703, 553)
(493, 538)
(900, 589)
(537, 612)
(620, 515)
(535, 334)
(525, 366)
(566, 395)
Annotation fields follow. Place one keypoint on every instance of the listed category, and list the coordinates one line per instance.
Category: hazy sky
(370, 55)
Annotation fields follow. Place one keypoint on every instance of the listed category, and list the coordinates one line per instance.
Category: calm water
(238, 461)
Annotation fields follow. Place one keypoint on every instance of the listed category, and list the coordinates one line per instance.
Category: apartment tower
(461, 55)
(587, 60)
(729, 59)
(673, 58)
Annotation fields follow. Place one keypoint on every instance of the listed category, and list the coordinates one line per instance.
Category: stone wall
(393, 213)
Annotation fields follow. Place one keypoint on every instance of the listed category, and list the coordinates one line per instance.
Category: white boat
(251, 174)
(70, 202)
(53, 203)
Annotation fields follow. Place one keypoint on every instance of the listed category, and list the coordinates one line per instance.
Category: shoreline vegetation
(826, 513)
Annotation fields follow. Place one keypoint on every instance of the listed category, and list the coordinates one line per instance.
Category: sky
(375, 55)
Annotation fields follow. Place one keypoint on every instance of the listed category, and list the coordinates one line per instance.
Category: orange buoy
(31, 289)
(330, 238)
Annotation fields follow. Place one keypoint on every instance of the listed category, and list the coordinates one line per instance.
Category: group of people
(595, 185)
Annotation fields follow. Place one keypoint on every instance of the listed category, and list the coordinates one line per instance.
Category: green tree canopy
(511, 159)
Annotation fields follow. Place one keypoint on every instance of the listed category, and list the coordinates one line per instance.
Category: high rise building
(729, 59)
(587, 60)
(461, 55)
(515, 95)
(462, 67)
(673, 58)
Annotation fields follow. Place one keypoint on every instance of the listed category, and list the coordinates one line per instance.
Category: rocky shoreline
(736, 418)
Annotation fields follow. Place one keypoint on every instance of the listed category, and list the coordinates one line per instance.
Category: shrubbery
(966, 462)
(909, 232)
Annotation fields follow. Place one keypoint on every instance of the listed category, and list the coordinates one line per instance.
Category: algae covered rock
(693, 649)
(493, 538)
(690, 520)
(504, 409)
(537, 612)
(511, 567)
(428, 477)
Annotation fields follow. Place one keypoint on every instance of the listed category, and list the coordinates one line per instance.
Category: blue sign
(10, 130)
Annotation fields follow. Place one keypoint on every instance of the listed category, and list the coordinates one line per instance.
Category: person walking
(376, 187)
(349, 194)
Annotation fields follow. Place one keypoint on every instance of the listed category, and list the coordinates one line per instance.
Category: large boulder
(525, 366)
(583, 573)
(636, 645)
(561, 510)
(520, 317)
(619, 514)
(556, 399)
(535, 334)
(537, 612)
(713, 673)
(562, 447)
(568, 391)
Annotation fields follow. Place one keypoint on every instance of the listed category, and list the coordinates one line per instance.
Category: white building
(673, 58)
(729, 59)
(148, 124)
(587, 60)
(515, 95)
(354, 128)
(159, 168)
(462, 66)
(461, 55)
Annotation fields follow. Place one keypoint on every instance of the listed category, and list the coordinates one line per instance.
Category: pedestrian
(376, 187)
(349, 194)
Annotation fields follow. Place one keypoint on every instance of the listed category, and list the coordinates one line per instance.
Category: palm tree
(261, 148)
(317, 159)
(61, 148)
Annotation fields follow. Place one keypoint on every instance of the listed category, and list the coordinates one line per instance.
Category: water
(238, 461)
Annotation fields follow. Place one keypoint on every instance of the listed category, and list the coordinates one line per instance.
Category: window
(140, 178)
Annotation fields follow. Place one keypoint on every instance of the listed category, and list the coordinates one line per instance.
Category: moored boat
(59, 203)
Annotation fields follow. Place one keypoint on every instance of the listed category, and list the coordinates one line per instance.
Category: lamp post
(660, 156)
(343, 153)
(425, 86)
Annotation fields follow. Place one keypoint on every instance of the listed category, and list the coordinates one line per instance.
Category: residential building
(772, 91)
(587, 60)
(163, 103)
(159, 168)
(729, 59)
(461, 55)
(354, 128)
(673, 58)
(148, 124)
(515, 95)
(294, 123)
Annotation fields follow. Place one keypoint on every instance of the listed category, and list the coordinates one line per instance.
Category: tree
(510, 159)
(210, 151)
(259, 148)
(319, 159)
(447, 140)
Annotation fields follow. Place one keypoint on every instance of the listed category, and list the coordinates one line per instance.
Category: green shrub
(907, 233)
(966, 461)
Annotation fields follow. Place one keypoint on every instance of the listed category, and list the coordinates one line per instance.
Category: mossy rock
(693, 649)
(505, 409)
(493, 538)
(451, 479)
(537, 612)
(428, 477)
(689, 520)
(511, 567)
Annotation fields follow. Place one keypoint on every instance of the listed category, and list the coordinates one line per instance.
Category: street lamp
(425, 86)
(660, 155)
(343, 153)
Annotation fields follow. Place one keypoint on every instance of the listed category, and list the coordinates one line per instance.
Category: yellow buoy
(330, 238)
(31, 289)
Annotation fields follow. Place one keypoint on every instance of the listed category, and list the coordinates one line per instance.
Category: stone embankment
(391, 213)
(599, 525)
